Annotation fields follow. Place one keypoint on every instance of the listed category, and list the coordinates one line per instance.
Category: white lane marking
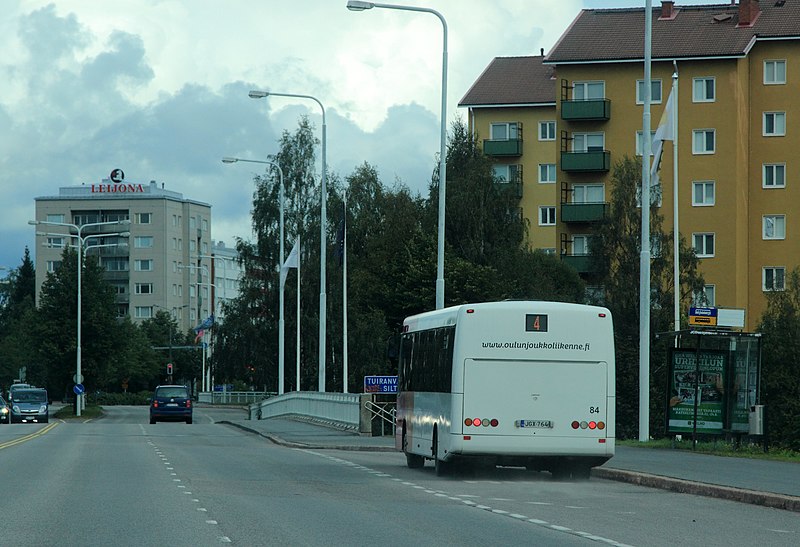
(212, 522)
(517, 516)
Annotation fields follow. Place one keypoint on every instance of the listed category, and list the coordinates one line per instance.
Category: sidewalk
(761, 482)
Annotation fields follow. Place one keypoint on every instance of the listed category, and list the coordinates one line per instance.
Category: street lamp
(323, 231)
(81, 247)
(356, 5)
(281, 348)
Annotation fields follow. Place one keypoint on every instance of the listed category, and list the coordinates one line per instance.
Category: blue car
(5, 412)
(30, 405)
(171, 403)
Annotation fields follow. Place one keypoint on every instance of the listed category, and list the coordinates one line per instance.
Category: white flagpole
(299, 254)
(676, 238)
(644, 262)
(344, 299)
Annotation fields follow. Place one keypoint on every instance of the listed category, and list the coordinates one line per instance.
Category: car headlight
(15, 408)
(4, 410)
(42, 409)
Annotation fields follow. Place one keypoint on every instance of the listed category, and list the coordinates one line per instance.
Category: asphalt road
(121, 481)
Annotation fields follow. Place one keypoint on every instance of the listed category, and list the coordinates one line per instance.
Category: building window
(507, 173)
(180, 244)
(774, 72)
(703, 193)
(773, 227)
(586, 91)
(53, 265)
(144, 288)
(144, 312)
(547, 173)
(144, 265)
(580, 245)
(114, 264)
(703, 245)
(774, 124)
(588, 193)
(204, 225)
(703, 141)
(640, 143)
(588, 142)
(143, 242)
(547, 131)
(706, 297)
(55, 218)
(55, 242)
(547, 216)
(192, 246)
(143, 218)
(655, 91)
(205, 248)
(503, 131)
(704, 90)
(773, 278)
(192, 223)
(774, 175)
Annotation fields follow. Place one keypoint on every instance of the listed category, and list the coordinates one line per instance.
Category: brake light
(481, 422)
(155, 404)
(188, 403)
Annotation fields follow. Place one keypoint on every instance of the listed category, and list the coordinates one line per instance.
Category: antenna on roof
(541, 51)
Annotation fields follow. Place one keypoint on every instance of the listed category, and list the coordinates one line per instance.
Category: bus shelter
(713, 383)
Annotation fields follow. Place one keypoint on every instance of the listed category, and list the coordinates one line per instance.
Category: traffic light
(169, 369)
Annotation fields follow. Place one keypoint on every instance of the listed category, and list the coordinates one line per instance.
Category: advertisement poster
(697, 380)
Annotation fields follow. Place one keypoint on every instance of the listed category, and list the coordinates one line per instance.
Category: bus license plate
(545, 424)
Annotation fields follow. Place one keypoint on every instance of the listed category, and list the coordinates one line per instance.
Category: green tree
(780, 372)
(17, 318)
(615, 259)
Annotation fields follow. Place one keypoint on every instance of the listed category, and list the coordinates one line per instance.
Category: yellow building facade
(737, 68)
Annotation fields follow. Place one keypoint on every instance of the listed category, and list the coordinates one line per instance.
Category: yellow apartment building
(736, 67)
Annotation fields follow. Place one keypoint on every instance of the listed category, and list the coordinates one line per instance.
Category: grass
(719, 447)
(68, 413)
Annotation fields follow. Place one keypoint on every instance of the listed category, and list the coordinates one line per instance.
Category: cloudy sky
(159, 89)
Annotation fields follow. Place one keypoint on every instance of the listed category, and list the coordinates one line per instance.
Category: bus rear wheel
(442, 468)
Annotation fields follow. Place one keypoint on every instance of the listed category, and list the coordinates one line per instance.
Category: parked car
(171, 403)
(5, 411)
(30, 405)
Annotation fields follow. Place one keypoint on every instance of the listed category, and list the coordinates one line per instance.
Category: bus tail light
(468, 422)
(481, 422)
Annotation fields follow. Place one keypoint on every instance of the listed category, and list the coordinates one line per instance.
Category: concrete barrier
(346, 410)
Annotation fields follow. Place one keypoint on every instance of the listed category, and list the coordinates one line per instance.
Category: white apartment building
(161, 267)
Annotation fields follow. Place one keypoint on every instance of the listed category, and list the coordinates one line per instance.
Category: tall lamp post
(357, 5)
(81, 239)
(323, 231)
(280, 312)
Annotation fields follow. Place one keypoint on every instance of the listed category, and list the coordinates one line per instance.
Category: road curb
(766, 499)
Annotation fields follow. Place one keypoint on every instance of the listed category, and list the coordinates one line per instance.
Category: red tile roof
(695, 31)
(513, 81)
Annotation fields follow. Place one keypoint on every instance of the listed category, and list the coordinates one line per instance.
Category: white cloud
(159, 89)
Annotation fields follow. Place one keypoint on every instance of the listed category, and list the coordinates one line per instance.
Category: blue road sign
(78, 389)
(380, 384)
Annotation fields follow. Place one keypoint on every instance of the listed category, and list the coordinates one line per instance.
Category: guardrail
(348, 410)
(233, 397)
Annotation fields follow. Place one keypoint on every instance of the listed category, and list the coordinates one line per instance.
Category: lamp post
(80, 248)
(281, 348)
(323, 231)
(357, 5)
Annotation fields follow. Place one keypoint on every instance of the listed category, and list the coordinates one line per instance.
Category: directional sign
(380, 384)
(78, 389)
(704, 317)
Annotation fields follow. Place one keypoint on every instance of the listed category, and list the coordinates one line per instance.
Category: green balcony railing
(581, 263)
(583, 212)
(592, 109)
(505, 147)
(589, 161)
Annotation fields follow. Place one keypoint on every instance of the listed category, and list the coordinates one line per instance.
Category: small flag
(199, 336)
(292, 261)
(664, 132)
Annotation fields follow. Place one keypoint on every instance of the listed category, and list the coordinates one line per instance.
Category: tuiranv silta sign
(380, 384)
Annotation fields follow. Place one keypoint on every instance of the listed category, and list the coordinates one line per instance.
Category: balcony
(586, 110)
(504, 147)
(583, 212)
(581, 263)
(586, 162)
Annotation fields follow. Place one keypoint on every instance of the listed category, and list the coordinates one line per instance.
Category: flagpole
(676, 238)
(344, 299)
(644, 262)
(299, 254)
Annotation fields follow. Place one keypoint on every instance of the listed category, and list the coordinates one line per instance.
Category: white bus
(518, 383)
